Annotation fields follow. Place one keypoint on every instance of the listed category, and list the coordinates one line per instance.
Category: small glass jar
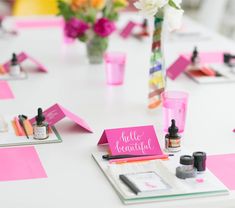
(186, 168)
(41, 131)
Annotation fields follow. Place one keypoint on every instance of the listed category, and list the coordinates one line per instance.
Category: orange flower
(77, 4)
(98, 4)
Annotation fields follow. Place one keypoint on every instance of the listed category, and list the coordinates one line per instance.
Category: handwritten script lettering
(133, 146)
(131, 137)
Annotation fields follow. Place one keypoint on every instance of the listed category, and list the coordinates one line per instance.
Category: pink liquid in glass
(174, 107)
(115, 68)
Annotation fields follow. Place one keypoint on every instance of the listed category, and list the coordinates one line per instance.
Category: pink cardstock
(5, 90)
(21, 58)
(20, 163)
(56, 112)
(38, 23)
(140, 140)
(126, 31)
(184, 61)
(222, 166)
(178, 67)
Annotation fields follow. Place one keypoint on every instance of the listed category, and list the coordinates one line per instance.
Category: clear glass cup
(115, 67)
(174, 107)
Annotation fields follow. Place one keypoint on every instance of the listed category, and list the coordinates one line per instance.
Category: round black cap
(200, 160)
(186, 160)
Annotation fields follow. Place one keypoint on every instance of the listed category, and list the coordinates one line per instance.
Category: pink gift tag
(126, 31)
(20, 163)
(178, 67)
(140, 140)
(5, 90)
(21, 58)
(56, 112)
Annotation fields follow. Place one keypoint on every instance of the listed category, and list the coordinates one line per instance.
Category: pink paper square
(222, 166)
(5, 91)
(20, 163)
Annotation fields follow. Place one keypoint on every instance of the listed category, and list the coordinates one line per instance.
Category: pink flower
(75, 27)
(104, 27)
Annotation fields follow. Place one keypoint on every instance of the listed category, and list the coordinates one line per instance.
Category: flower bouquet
(91, 21)
(170, 12)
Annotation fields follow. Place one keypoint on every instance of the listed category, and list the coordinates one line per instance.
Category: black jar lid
(200, 156)
(186, 160)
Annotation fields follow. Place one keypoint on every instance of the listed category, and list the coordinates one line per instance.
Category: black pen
(21, 121)
(113, 157)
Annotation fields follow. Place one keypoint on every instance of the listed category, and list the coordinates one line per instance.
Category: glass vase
(157, 70)
(96, 48)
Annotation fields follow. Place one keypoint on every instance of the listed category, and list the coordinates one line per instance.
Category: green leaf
(65, 10)
(83, 38)
(113, 16)
(118, 5)
(173, 4)
(90, 15)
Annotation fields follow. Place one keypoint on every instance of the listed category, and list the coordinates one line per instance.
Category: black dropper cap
(194, 55)
(40, 117)
(14, 60)
(173, 130)
(145, 23)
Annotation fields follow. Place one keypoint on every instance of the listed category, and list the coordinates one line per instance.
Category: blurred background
(221, 17)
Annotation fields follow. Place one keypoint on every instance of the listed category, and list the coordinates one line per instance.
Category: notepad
(144, 182)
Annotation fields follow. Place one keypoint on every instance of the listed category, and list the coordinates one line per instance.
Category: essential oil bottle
(40, 128)
(15, 68)
(172, 139)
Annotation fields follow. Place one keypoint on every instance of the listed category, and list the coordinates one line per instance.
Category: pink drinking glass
(174, 107)
(115, 67)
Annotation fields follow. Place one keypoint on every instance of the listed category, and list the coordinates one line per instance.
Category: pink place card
(178, 67)
(20, 163)
(126, 31)
(222, 166)
(184, 61)
(140, 140)
(5, 90)
(21, 58)
(56, 112)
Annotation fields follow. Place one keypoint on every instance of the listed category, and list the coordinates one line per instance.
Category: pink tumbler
(174, 107)
(115, 67)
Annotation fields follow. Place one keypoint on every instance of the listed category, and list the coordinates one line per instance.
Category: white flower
(150, 7)
(173, 17)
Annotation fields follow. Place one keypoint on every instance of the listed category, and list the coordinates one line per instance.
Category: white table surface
(74, 179)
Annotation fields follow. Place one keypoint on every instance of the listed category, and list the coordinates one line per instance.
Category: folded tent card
(140, 140)
(56, 113)
(23, 131)
(211, 67)
(21, 57)
(130, 27)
